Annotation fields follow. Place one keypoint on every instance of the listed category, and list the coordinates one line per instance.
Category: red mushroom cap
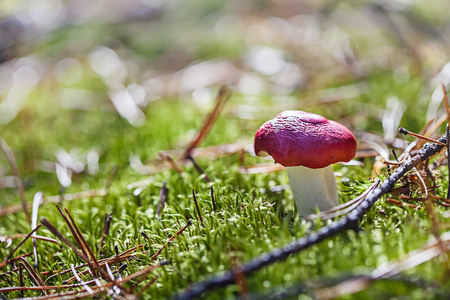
(297, 138)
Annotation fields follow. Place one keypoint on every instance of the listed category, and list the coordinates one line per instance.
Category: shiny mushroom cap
(297, 138)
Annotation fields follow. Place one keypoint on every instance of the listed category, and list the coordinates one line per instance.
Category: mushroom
(307, 144)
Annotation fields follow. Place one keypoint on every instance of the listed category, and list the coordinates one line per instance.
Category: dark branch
(303, 243)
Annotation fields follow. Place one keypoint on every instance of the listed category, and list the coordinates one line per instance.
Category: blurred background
(87, 81)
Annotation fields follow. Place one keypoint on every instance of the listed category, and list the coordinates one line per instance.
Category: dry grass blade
(21, 242)
(12, 161)
(222, 97)
(85, 286)
(387, 270)
(432, 129)
(115, 288)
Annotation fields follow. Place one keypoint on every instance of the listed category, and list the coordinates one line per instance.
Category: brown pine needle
(172, 163)
(21, 279)
(212, 199)
(63, 239)
(198, 209)
(36, 278)
(116, 259)
(5, 262)
(400, 203)
(170, 240)
(407, 132)
(77, 238)
(89, 250)
(198, 168)
(22, 241)
(12, 162)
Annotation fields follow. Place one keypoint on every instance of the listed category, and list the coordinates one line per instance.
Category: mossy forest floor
(98, 110)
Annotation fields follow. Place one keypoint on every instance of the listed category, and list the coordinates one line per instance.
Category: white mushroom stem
(313, 188)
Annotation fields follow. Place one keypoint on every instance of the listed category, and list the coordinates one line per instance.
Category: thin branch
(280, 254)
